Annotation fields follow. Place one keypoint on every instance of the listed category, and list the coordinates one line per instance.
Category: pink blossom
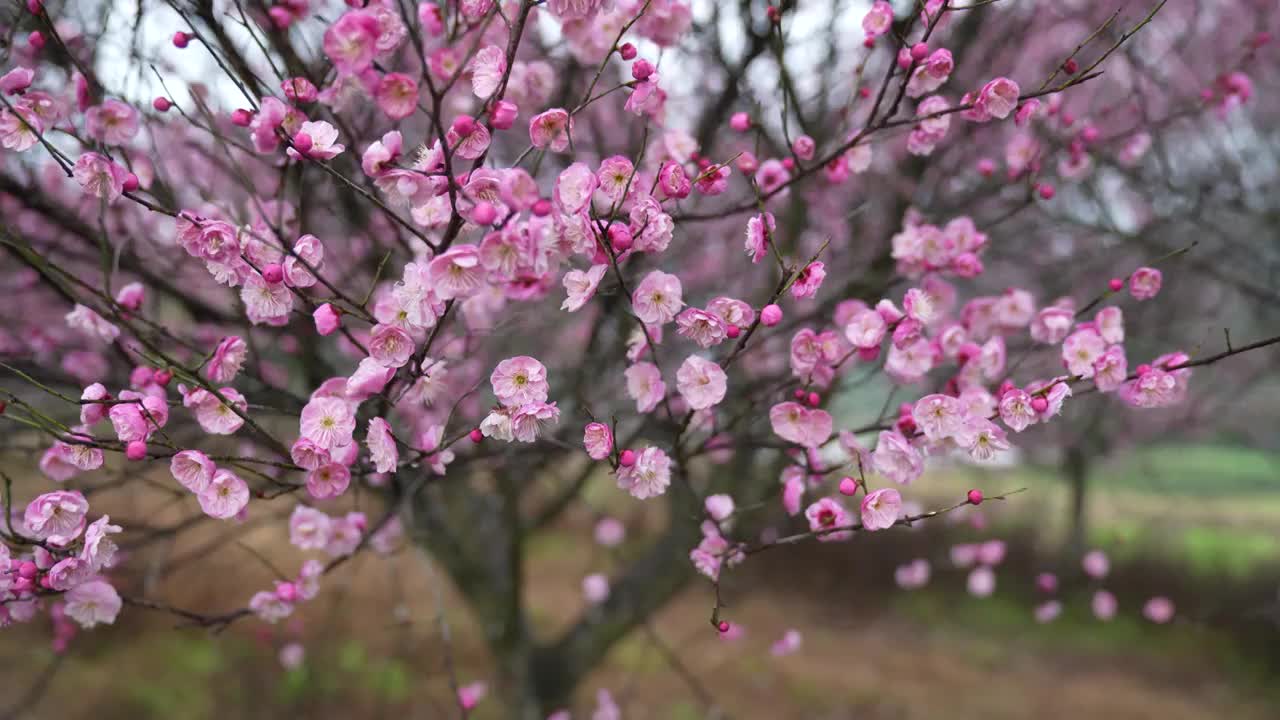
(1111, 369)
(192, 469)
(225, 495)
(913, 575)
(1151, 389)
(328, 422)
(20, 128)
(1016, 411)
(657, 298)
(57, 517)
(939, 416)
(328, 481)
(113, 122)
(808, 281)
(880, 509)
(351, 42)
(649, 476)
(701, 382)
(326, 319)
(324, 141)
(309, 529)
(266, 303)
(1048, 611)
(581, 286)
(574, 187)
(825, 517)
(645, 386)
(1052, 324)
(92, 324)
(998, 98)
(382, 447)
(529, 420)
(772, 177)
(598, 440)
(796, 423)
(673, 181)
(1158, 610)
(759, 231)
(610, 532)
(215, 415)
(456, 273)
(981, 582)
(1081, 350)
(896, 459)
(227, 360)
(1145, 283)
(702, 327)
(982, 438)
(1104, 605)
(866, 329)
(92, 603)
(551, 129)
(519, 380)
(390, 345)
(99, 177)
(1095, 564)
(269, 607)
(878, 20)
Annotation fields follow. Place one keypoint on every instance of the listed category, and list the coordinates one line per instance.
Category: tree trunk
(1076, 465)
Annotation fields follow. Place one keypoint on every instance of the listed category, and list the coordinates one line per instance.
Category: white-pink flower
(520, 380)
(382, 447)
(551, 129)
(456, 273)
(880, 509)
(826, 517)
(487, 68)
(1081, 350)
(939, 416)
(227, 360)
(701, 382)
(328, 422)
(703, 327)
(649, 476)
(324, 141)
(192, 469)
(309, 529)
(896, 458)
(657, 298)
(597, 438)
(998, 98)
(581, 286)
(92, 603)
(796, 423)
(225, 495)
(645, 386)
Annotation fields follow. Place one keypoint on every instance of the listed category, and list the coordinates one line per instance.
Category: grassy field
(870, 651)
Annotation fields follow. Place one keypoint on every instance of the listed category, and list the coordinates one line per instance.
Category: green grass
(1195, 470)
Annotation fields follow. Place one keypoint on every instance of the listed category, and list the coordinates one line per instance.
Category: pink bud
(748, 163)
(740, 122)
(162, 377)
(627, 51)
(733, 331)
(302, 142)
(975, 497)
(627, 458)
(241, 117)
(770, 315)
(327, 319)
(27, 569)
(36, 40)
(273, 273)
(1090, 134)
(799, 394)
(484, 213)
(34, 7)
(868, 354)
(1047, 582)
(814, 399)
(1039, 403)
(906, 425)
(135, 450)
(641, 69)
(161, 104)
(1046, 191)
(287, 591)
(1143, 369)
(848, 486)
(986, 167)
(723, 626)
(280, 17)
(503, 115)
(1116, 284)
(476, 436)
(180, 39)
(803, 147)
(542, 207)
(904, 58)
(1070, 66)
(620, 237)
(789, 163)
(869, 42)
(919, 51)
(130, 183)
(464, 125)
(774, 14)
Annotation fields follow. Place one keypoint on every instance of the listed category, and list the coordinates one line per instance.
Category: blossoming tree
(459, 259)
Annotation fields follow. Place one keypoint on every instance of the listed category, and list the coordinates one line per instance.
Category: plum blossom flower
(324, 141)
(796, 423)
(266, 303)
(701, 382)
(92, 603)
(825, 516)
(1158, 610)
(981, 581)
(880, 509)
(810, 279)
(20, 128)
(215, 415)
(997, 98)
(1111, 369)
(227, 360)
(866, 329)
(520, 380)
(896, 458)
(702, 327)
(532, 418)
(1151, 389)
(113, 122)
(225, 495)
(645, 386)
(309, 529)
(1104, 605)
(1052, 324)
(382, 447)
(982, 438)
(270, 607)
(657, 298)
(328, 422)
(92, 324)
(1081, 350)
(390, 345)
(759, 231)
(1016, 411)
(598, 440)
(351, 42)
(192, 469)
(649, 476)
(551, 129)
(456, 273)
(58, 517)
(581, 286)
(939, 416)
(573, 188)
(1095, 564)
(1145, 283)
(328, 481)
(487, 69)
(913, 575)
